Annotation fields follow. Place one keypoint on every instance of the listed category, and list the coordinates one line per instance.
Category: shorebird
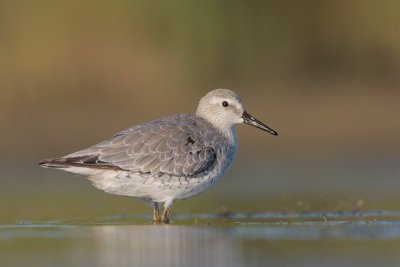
(167, 159)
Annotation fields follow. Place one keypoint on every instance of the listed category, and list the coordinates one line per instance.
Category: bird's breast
(226, 154)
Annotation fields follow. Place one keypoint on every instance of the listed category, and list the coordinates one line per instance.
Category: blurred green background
(324, 74)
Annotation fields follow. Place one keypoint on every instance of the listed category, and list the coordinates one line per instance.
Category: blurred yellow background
(324, 74)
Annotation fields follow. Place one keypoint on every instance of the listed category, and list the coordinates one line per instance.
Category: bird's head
(223, 108)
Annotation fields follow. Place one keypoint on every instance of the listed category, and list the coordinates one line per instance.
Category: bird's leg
(165, 215)
(167, 210)
(156, 213)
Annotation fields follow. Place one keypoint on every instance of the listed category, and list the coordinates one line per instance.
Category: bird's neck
(231, 135)
(227, 130)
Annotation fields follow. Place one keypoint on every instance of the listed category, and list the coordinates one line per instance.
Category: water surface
(269, 239)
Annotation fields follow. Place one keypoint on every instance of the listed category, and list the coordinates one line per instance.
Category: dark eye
(225, 104)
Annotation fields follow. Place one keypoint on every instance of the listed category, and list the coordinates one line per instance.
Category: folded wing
(170, 147)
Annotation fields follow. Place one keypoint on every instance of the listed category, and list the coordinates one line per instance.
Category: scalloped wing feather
(175, 146)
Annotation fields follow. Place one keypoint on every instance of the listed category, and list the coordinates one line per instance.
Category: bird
(168, 159)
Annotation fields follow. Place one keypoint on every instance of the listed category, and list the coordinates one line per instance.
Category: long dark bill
(248, 119)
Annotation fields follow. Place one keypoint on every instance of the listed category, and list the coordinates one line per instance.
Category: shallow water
(52, 219)
(267, 239)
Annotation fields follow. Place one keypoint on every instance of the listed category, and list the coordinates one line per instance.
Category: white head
(223, 108)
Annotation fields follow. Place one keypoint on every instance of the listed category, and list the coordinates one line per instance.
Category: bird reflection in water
(165, 245)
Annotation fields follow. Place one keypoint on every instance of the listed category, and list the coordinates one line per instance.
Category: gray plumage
(176, 145)
(166, 159)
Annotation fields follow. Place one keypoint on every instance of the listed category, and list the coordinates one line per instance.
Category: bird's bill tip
(249, 119)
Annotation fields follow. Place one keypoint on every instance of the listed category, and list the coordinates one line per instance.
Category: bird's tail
(88, 161)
